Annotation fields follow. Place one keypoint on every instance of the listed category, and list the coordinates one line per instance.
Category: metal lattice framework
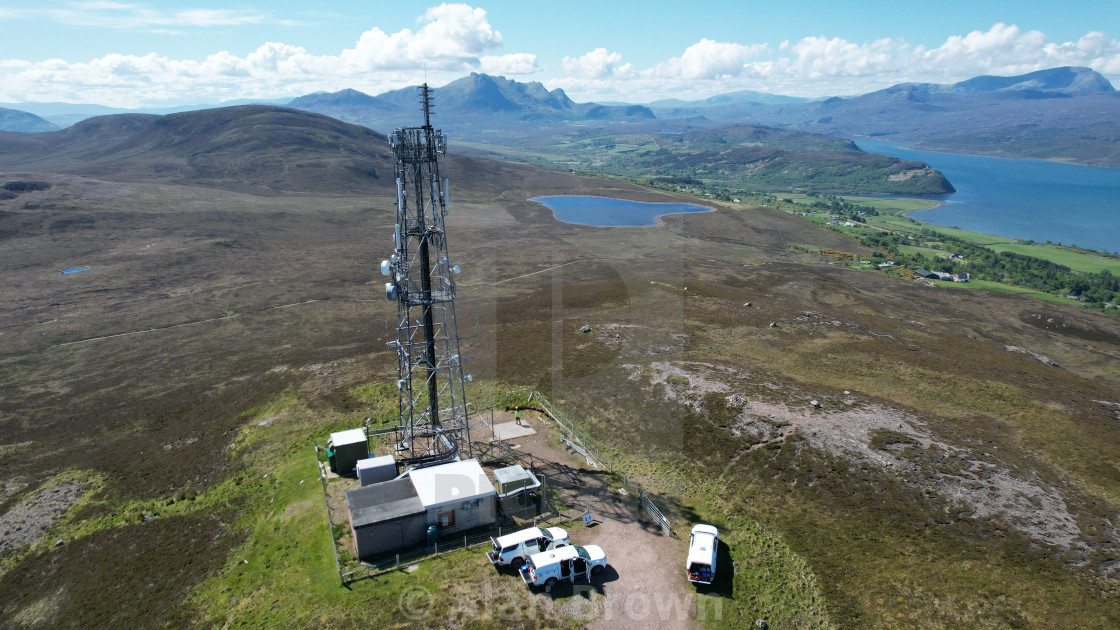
(432, 398)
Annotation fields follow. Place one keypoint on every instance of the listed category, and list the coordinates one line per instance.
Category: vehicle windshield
(582, 553)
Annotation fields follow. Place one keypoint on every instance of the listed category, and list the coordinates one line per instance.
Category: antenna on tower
(426, 104)
(433, 426)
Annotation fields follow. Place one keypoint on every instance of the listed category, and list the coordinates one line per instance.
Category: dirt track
(644, 584)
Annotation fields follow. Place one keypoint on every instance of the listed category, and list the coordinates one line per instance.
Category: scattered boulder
(815, 403)
(585, 329)
(773, 324)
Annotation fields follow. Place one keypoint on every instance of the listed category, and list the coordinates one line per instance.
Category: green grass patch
(900, 204)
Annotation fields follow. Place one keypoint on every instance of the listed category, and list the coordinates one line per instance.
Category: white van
(703, 547)
(513, 549)
(566, 563)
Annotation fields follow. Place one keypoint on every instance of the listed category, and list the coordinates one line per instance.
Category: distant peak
(1064, 79)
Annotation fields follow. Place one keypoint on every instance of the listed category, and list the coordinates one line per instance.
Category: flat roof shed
(347, 447)
(384, 501)
(512, 479)
(385, 517)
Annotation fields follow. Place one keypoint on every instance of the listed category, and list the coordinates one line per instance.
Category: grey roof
(376, 462)
(385, 501)
(510, 474)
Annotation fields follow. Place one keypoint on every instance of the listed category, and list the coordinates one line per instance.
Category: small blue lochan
(73, 270)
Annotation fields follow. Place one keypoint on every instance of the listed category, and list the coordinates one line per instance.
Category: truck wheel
(517, 564)
(550, 582)
(597, 569)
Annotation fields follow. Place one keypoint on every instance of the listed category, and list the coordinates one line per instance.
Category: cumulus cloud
(451, 39)
(820, 66)
(709, 59)
(597, 64)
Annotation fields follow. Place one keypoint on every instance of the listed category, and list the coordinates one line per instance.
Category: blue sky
(134, 54)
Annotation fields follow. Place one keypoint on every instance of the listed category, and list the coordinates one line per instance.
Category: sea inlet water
(607, 212)
(1026, 199)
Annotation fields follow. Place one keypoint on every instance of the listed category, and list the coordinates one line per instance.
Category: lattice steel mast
(432, 396)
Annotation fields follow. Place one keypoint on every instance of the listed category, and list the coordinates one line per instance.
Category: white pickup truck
(703, 547)
(566, 563)
(513, 549)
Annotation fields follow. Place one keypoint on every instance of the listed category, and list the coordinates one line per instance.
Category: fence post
(464, 541)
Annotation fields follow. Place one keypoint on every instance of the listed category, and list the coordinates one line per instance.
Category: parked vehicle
(565, 563)
(513, 549)
(703, 547)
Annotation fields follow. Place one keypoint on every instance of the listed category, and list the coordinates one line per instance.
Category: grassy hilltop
(158, 407)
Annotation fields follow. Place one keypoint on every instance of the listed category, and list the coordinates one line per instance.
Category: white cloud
(597, 64)
(119, 15)
(821, 66)
(453, 37)
(515, 64)
(451, 40)
(709, 59)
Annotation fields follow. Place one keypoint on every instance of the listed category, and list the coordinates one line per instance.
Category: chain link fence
(578, 441)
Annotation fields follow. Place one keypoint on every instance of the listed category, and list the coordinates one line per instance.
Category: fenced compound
(391, 562)
(351, 569)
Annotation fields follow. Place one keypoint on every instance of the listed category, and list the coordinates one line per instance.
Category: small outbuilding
(345, 448)
(389, 515)
(386, 516)
(376, 469)
(515, 487)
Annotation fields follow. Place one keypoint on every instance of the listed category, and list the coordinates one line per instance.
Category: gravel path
(644, 584)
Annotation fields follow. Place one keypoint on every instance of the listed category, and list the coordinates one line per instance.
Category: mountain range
(259, 149)
(1062, 113)
(475, 102)
(1066, 113)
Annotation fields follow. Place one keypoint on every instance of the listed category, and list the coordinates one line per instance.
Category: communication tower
(433, 425)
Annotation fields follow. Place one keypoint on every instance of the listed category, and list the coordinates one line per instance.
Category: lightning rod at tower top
(433, 423)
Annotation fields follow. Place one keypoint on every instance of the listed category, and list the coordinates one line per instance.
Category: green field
(893, 217)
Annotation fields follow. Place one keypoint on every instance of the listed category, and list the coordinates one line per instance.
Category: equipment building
(396, 514)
